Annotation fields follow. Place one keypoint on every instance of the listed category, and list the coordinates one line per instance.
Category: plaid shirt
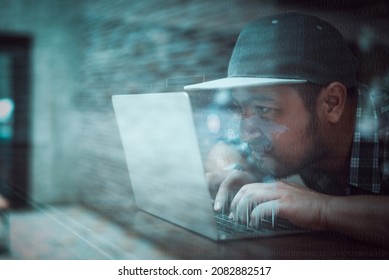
(364, 162)
(369, 163)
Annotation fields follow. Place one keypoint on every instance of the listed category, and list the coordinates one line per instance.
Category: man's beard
(260, 158)
(274, 167)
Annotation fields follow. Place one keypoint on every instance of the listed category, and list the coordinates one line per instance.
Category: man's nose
(250, 128)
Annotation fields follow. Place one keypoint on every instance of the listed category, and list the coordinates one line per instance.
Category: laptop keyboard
(231, 227)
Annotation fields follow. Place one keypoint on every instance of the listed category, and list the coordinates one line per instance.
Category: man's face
(278, 129)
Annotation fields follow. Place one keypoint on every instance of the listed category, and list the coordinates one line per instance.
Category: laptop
(166, 170)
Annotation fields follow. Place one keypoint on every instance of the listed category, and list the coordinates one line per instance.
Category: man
(304, 113)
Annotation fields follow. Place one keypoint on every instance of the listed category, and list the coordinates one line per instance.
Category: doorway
(15, 85)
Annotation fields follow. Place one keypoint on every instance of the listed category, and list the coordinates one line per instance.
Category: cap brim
(234, 82)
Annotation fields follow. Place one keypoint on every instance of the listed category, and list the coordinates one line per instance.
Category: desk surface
(74, 232)
(165, 240)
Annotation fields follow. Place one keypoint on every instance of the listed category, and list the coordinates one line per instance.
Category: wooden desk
(163, 238)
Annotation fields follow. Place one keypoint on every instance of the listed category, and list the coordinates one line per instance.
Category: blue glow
(213, 123)
(6, 109)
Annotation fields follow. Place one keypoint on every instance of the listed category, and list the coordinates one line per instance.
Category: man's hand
(300, 205)
(364, 217)
(224, 184)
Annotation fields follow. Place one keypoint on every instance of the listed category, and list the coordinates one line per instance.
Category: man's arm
(364, 217)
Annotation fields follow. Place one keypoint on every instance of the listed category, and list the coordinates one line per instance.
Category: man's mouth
(260, 150)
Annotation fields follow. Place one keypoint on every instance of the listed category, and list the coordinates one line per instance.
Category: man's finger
(223, 198)
(229, 187)
(254, 193)
(227, 191)
(268, 210)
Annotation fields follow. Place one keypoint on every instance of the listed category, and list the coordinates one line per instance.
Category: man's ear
(333, 101)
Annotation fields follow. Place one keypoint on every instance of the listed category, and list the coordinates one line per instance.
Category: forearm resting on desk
(364, 217)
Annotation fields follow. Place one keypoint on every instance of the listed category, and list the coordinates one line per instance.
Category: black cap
(288, 48)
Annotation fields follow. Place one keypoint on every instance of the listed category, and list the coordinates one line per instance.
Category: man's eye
(260, 110)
